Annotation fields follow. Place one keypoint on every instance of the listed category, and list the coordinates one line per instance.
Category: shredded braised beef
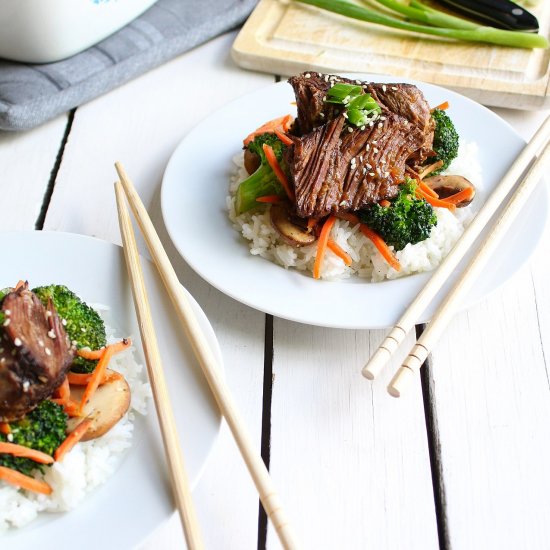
(35, 353)
(337, 167)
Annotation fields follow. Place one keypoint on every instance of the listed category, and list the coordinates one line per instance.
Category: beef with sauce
(337, 167)
(35, 353)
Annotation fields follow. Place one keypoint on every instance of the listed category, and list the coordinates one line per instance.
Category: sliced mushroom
(446, 186)
(289, 230)
(106, 407)
(252, 161)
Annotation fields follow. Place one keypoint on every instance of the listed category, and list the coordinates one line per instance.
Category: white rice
(264, 241)
(90, 463)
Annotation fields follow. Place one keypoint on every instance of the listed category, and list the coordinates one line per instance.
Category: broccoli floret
(43, 429)
(408, 219)
(445, 142)
(263, 181)
(83, 324)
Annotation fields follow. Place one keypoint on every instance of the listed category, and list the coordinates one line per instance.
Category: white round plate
(137, 498)
(195, 187)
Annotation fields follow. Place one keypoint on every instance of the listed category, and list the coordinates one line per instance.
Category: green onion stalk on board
(420, 18)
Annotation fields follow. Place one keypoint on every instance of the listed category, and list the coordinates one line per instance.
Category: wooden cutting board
(285, 37)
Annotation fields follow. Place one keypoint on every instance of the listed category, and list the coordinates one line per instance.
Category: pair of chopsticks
(207, 361)
(420, 351)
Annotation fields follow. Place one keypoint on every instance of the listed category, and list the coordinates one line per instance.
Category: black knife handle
(498, 13)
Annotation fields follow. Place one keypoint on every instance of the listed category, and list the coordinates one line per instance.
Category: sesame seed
(326, 78)
(48, 313)
(386, 174)
(6, 322)
(345, 115)
(371, 123)
(83, 329)
(64, 322)
(358, 82)
(375, 150)
(350, 129)
(382, 118)
(363, 127)
(26, 386)
(384, 87)
(7, 311)
(41, 343)
(10, 438)
(51, 334)
(394, 88)
(2, 360)
(74, 343)
(374, 141)
(360, 158)
(380, 125)
(308, 75)
(368, 166)
(48, 352)
(367, 146)
(364, 170)
(372, 174)
(17, 342)
(322, 115)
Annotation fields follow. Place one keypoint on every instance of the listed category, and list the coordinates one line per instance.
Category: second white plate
(137, 498)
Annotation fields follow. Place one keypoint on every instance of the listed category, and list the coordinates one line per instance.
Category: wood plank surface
(27, 160)
(140, 124)
(355, 461)
(289, 37)
(489, 379)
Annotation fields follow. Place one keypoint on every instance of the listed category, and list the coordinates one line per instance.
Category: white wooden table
(461, 462)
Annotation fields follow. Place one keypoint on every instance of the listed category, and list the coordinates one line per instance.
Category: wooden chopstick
(407, 321)
(256, 467)
(448, 307)
(180, 482)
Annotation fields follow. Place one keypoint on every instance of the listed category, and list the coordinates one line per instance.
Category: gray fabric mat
(31, 94)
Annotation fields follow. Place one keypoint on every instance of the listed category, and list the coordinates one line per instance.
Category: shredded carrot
(25, 452)
(322, 246)
(433, 201)
(72, 408)
(25, 482)
(62, 394)
(82, 379)
(97, 377)
(283, 137)
(282, 123)
(442, 106)
(272, 161)
(464, 195)
(272, 199)
(348, 216)
(384, 203)
(19, 284)
(312, 222)
(427, 189)
(85, 353)
(382, 247)
(72, 439)
(5, 428)
(339, 251)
